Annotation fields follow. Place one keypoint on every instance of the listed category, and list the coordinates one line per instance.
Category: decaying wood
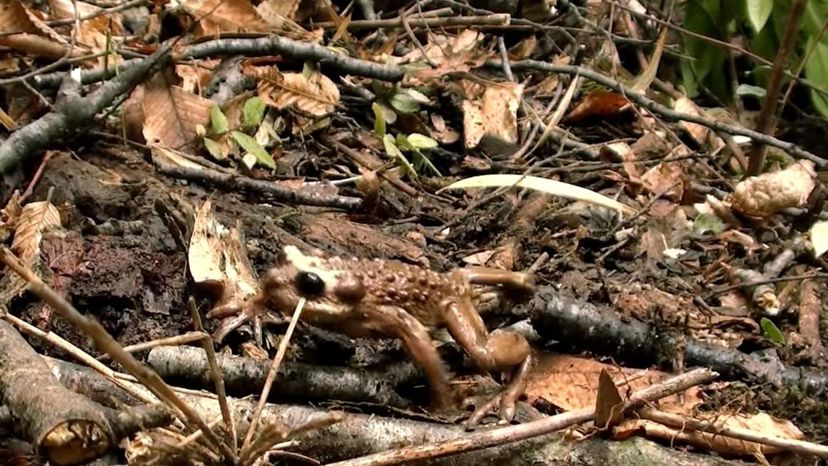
(65, 427)
(586, 327)
(245, 376)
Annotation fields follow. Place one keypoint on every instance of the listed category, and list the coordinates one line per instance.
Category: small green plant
(218, 144)
(771, 331)
(761, 23)
(416, 144)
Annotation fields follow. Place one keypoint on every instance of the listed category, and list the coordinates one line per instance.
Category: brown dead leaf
(491, 119)
(171, 115)
(666, 179)
(315, 95)
(572, 383)
(93, 33)
(760, 423)
(698, 132)
(767, 194)
(598, 105)
(218, 258)
(450, 54)
(21, 30)
(223, 16)
(35, 218)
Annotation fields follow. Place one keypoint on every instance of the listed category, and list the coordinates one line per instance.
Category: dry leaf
(698, 132)
(223, 16)
(767, 194)
(93, 33)
(491, 120)
(598, 105)
(666, 179)
(217, 257)
(571, 383)
(171, 115)
(34, 219)
(315, 95)
(36, 38)
(450, 53)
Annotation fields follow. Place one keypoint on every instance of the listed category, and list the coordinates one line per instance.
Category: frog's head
(327, 291)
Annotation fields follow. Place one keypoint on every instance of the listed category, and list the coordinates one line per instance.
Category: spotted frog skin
(386, 298)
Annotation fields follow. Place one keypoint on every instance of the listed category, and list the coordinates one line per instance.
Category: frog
(382, 298)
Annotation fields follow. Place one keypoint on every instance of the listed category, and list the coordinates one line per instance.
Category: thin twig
(665, 112)
(485, 439)
(105, 342)
(766, 121)
(271, 376)
(438, 22)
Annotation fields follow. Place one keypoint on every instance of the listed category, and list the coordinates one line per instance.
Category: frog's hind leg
(501, 350)
(515, 281)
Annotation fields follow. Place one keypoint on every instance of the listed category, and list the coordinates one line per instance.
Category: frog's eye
(309, 284)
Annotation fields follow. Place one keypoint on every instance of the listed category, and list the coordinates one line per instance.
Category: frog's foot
(237, 313)
(505, 401)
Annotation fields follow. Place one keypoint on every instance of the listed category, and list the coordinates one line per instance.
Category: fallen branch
(65, 427)
(501, 436)
(653, 106)
(72, 113)
(270, 45)
(245, 376)
(582, 326)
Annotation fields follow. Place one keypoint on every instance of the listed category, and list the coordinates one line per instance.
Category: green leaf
(421, 160)
(214, 149)
(771, 331)
(403, 144)
(218, 122)
(421, 141)
(253, 111)
(747, 90)
(816, 72)
(708, 223)
(404, 103)
(252, 146)
(758, 12)
(394, 151)
(379, 120)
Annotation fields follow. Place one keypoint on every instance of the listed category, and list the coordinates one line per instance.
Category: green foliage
(761, 23)
(771, 331)
(252, 147)
(253, 112)
(218, 122)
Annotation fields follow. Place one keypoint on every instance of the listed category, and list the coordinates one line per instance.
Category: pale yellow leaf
(556, 188)
(217, 257)
(819, 237)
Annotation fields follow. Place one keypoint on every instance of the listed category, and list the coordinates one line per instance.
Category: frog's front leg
(501, 350)
(516, 281)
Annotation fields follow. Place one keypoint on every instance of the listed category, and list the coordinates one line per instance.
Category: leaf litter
(608, 199)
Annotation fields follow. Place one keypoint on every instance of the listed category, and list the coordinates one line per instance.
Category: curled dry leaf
(217, 258)
(491, 119)
(315, 94)
(35, 218)
(767, 194)
(598, 105)
(450, 54)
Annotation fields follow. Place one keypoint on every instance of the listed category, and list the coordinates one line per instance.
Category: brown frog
(386, 298)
